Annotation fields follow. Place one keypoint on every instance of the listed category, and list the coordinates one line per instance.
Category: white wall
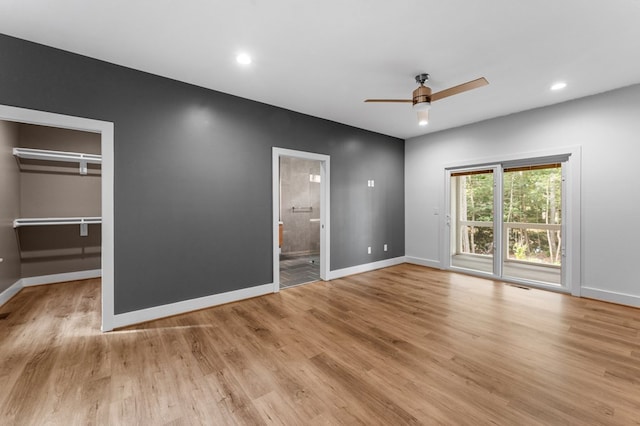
(605, 126)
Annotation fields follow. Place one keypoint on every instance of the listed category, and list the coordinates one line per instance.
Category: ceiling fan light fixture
(558, 86)
(422, 109)
(422, 106)
(423, 117)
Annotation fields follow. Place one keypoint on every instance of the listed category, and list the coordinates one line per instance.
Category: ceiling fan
(422, 96)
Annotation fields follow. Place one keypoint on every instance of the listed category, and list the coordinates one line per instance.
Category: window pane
(472, 220)
(532, 214)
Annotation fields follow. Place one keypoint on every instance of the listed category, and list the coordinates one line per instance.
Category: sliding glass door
(472, 219)
(506, 221)
(532, 211)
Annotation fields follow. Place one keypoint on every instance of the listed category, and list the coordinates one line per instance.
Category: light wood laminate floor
(402, 345)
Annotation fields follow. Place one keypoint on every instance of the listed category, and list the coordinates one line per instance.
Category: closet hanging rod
(44, 154)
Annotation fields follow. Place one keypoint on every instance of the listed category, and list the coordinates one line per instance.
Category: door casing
(105, 129)
(325, 234)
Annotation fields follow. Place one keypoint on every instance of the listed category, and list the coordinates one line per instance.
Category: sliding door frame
(451, 221)
(571, 224)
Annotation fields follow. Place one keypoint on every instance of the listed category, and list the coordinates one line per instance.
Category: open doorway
(105, 132)
(299, 221)
(58, 218)
(300, 217)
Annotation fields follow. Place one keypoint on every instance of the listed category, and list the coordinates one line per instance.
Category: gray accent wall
(193, 174)
(9, 206)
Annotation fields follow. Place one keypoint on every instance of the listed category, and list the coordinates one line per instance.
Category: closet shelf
(43, 221)
(84, 222)
(69, 157)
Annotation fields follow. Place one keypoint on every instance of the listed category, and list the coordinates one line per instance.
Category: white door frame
(105, 129)
(325, 246)
(571, 223)
(497, 213)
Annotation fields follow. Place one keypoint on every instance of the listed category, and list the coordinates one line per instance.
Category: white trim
(424, 262)
(108, 227)
(60, 278)
(8, 293)
(499, 159)
(367, 267)
(610, 296)
(105, 129)
(325, 209)
(498, 222)
(572, 205)
(163, 311)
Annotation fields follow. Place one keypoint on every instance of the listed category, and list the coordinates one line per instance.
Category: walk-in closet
(50, 193)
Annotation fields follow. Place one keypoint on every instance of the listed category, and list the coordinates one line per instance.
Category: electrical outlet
(368, 250)
(385, 247)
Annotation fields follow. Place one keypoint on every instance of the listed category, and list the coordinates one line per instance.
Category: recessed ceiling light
(559, 85)
(243, 59)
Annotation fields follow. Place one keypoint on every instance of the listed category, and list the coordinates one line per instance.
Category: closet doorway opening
(58, 225)
(300, 199)
(63, 218)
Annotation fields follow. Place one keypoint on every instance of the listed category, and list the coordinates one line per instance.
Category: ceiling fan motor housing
(422, 95)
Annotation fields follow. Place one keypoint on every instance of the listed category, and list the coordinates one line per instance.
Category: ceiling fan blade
(473, 84)
(389, 100)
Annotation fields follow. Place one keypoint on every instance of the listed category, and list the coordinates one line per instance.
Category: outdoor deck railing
(505, 233)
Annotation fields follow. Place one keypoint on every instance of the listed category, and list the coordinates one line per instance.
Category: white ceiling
(324, 58)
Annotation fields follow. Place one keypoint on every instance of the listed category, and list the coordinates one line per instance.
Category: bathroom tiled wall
(300, 188)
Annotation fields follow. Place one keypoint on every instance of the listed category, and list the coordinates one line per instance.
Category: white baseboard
(339, 273)
(6, 295)
(610, 296)
(60, 278)
(424, 262)
(157, 312)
